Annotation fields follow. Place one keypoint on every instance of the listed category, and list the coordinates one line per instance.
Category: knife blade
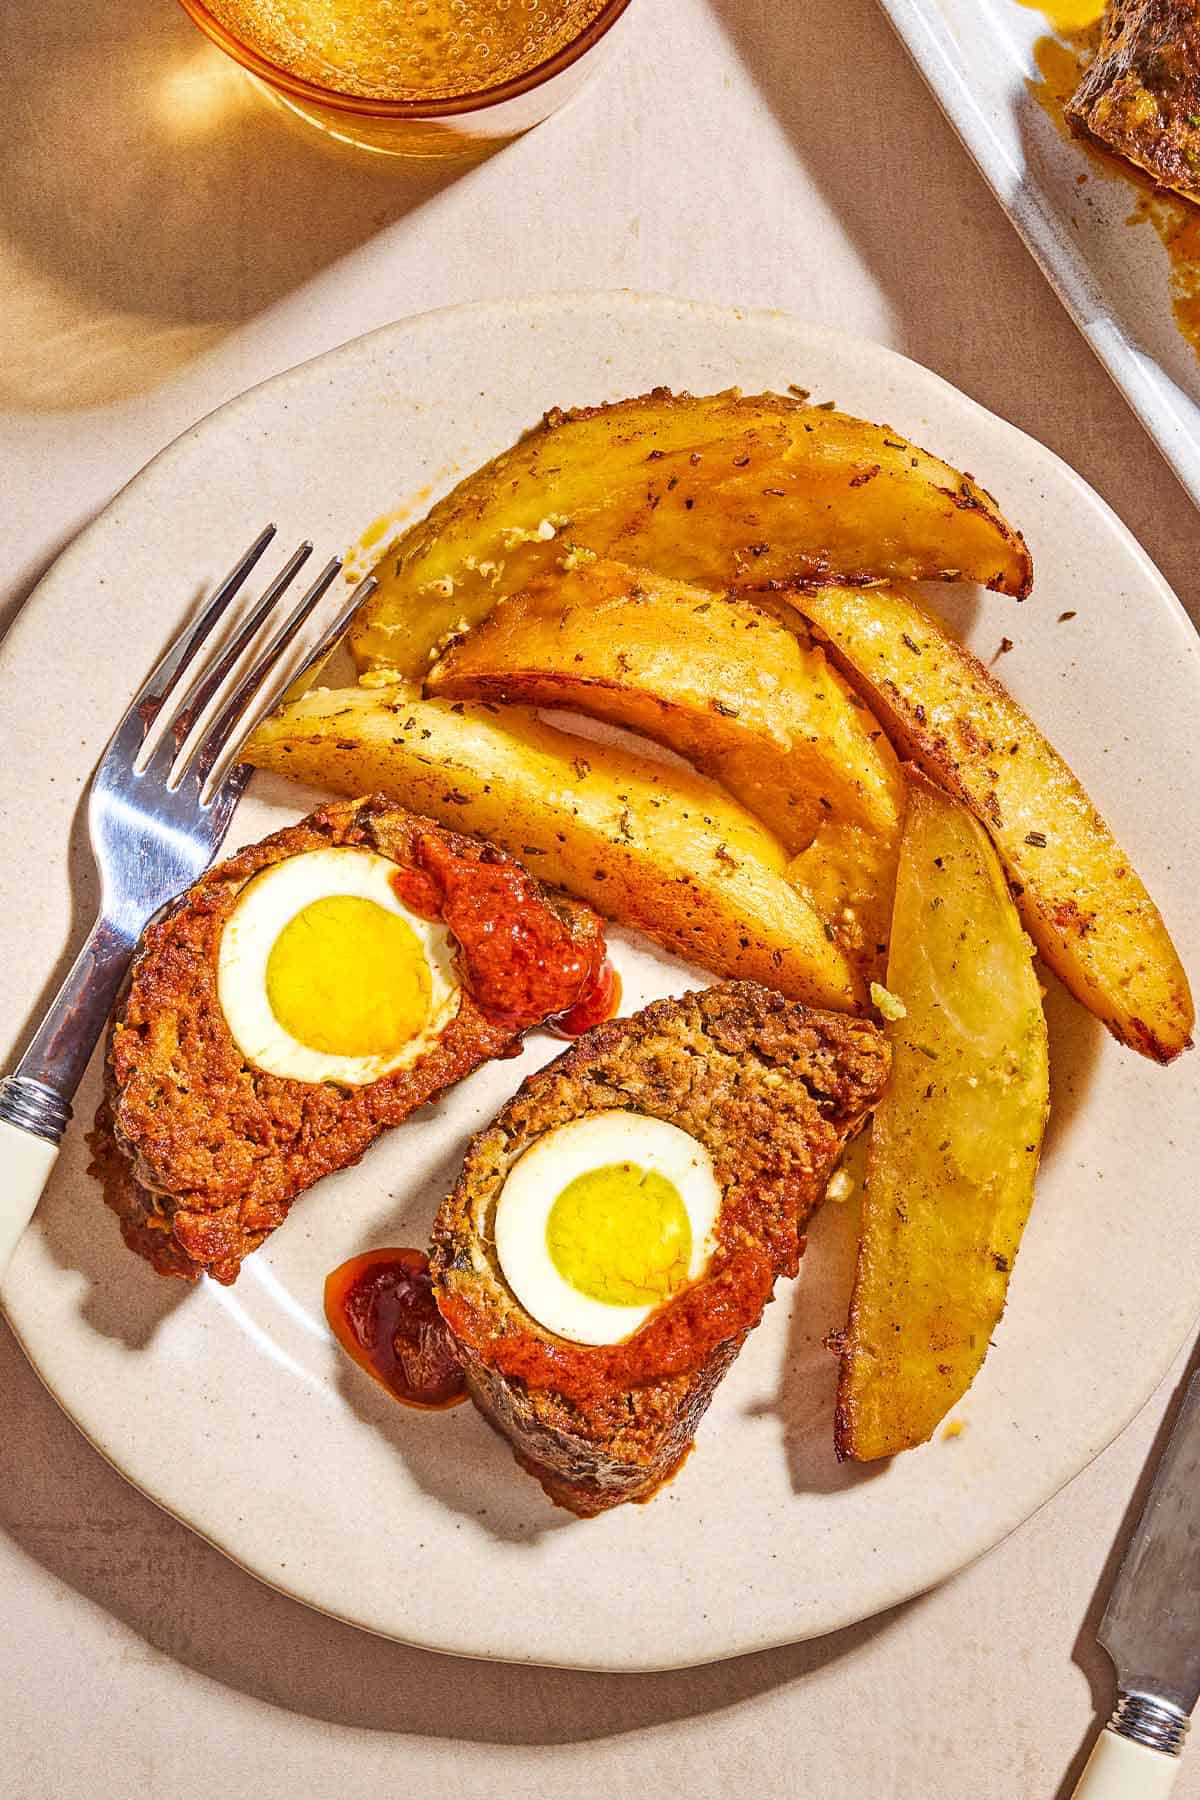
(1151, 1627)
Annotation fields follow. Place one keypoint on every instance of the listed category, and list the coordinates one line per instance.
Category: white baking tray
(978, 58)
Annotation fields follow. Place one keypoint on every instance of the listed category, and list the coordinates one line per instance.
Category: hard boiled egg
(323, 973)
(603, 1220)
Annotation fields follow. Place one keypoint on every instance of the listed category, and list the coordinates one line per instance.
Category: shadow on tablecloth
(185, 1600)
(152, 198)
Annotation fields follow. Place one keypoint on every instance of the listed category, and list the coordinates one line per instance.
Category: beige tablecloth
(166, 238)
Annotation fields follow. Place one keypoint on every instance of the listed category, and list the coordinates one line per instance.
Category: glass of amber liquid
(413, 77)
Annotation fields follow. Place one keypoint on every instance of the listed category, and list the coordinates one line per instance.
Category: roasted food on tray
(954, 1141)
(721, 490)
(1140, 96)
(619, 1228)
(299, 1000)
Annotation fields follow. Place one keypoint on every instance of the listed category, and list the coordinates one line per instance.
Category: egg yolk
(621, 1234)
(350, 978)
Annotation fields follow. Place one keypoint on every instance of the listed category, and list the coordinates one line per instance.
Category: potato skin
(657, 848)
(716, 678)
(1081, 900)
(721, 490)
(955, 1139)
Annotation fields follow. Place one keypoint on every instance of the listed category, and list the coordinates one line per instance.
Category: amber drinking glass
(414, 77)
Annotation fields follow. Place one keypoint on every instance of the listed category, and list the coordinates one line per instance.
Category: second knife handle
(1121, 1769)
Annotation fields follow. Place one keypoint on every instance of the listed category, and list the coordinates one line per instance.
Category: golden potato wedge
(1081, 900)
(848, 876)
(656, 848)
(718, 490)
(955, 1139)
(718, 680)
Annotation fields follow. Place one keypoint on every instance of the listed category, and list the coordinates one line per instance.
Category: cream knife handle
(25, 1164)
(1136, 1756)
(1119, 1769)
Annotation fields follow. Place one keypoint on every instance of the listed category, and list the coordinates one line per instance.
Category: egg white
(539, 1177)
(270, 902)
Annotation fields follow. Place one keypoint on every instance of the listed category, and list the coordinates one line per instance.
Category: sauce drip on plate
(381, 1309)
(598, 1002)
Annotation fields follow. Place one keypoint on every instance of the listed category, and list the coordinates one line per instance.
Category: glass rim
(456, 106)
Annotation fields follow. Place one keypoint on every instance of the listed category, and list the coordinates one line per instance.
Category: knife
(1151, 1629)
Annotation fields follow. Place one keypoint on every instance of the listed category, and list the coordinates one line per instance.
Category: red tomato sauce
(381, 1309)
(723, 1305)
(521, 960)
(720, 1307)
(598, 1002)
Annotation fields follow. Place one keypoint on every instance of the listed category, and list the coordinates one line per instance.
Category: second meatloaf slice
(772, 1090)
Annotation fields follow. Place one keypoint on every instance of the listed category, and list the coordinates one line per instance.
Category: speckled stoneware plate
(234, 1409)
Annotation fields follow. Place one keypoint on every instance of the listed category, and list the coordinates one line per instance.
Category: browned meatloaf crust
(1140, 98)
(772, 1089)
(200, 1153)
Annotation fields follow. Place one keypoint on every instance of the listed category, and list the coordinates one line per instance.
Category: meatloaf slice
(772, 1090)
(201, 1153)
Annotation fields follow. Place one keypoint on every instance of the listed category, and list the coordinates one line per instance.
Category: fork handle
(59, 1050)
(25, 1164)
(35, 1102)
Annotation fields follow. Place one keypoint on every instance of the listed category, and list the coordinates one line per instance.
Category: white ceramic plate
(234, 1409)
(978, 57)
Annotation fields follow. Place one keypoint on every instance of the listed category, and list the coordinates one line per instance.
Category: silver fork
(161, 800)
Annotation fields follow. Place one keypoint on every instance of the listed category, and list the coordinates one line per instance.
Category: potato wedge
(955, 1139)
(848, 876)
(719, 490)
(656, 848)
(716, 679)
(1082, 902)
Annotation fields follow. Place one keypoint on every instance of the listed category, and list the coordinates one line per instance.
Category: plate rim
(584, 297)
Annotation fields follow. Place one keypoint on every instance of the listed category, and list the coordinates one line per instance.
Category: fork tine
(336, 628)
(217, 735)
(211, 676)
(147, 703)
(216, 740)
(223, 743)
